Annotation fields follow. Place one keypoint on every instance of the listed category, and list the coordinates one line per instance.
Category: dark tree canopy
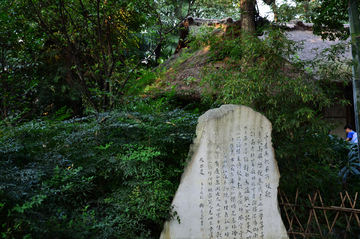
(330, 18)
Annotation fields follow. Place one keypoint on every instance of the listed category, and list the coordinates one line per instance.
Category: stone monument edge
(209, 115)
(194, 148)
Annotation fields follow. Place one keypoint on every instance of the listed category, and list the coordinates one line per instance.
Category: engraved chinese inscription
(235, 185)
(228, 189)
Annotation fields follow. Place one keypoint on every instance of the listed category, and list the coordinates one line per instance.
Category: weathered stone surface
(229, 189)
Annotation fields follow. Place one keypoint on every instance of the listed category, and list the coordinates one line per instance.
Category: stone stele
(229, 188)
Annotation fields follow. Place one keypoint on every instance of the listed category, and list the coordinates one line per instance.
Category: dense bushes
(110, 175)
(114, 174)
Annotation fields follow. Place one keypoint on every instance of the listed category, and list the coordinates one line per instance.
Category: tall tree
(96, 39)
(102, 43)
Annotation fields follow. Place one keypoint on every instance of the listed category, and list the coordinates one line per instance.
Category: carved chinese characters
(229, 189)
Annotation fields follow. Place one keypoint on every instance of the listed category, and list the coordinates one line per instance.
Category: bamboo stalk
(293, 211)
(337, 214)
(339, 209)
(287, 216)
(322, 204)
(310, 217)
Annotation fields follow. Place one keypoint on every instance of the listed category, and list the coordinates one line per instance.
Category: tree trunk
(248, 27)
(247, 15)
(274, 8)
(355, 45)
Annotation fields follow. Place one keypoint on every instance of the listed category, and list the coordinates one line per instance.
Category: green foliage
(94, 41)
(299, 9)
(218, 9)
(164, 35)
(84, 55)
(138, 86)
(329, 18)
(114, 174)
(286, 12)
(81, 54)
(111, 175)
(309, 160)
(267, 76)
(259, 74)
(350, 171)
(19, 45)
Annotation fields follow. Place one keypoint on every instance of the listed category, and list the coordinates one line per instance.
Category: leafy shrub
(350, 168)
(110, 175)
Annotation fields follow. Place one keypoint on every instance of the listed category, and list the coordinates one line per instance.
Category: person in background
(351, 134)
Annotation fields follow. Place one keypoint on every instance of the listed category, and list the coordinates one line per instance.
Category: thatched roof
(302, 32)
(185, 74)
